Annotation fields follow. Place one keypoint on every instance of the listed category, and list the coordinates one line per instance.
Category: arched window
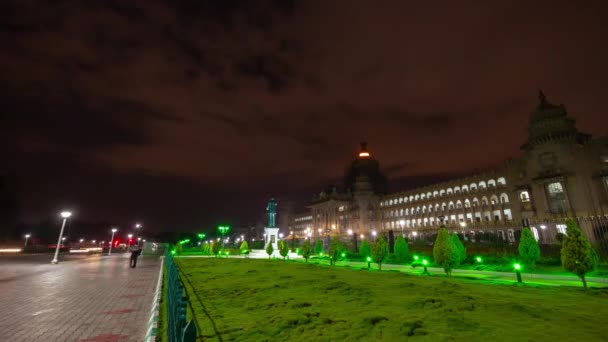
(429, 195)
(451, 205)
(482, 185)
(458, 204)
(430, 208)
(467, 203)
(473, 187)
(504, 198)
(407, 211)
(442, 193)
(423, 209)
(390, 202)
(457, 190)
(494, 199)
(475, 202)
(418, 210)
(501, 181)
(437, 207)
(484, 200)
(465, 189)
(411, 198)
(443, 206)
(524, 196)
(435, 194)
(450, 191)
(422, 196)
(400, 200)
(401, 212)
(491, 183)
(417, 197)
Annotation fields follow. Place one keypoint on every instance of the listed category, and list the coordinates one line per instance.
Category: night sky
(184, 114)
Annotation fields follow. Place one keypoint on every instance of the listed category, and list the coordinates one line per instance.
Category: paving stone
(94, 299)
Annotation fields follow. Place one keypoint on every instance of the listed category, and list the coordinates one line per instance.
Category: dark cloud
(240, 99)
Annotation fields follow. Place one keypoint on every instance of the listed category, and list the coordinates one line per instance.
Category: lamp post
(517, 268)
(65, 215)
(114, 230)
(27, 237)
(374, 233)
(129, 237)
(223, 230)
(137, 228)
(402, 224)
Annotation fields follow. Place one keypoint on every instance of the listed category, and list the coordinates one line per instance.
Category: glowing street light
(223, 230)
(463, 224)
(280, 235)
(114, 230)
(350, 232)
(27, 237)
(129, 236)
(424, 264)
(478, 259)
(65, 215)
(517, 268)
(138, 226)
(94, 241)
(362, 236)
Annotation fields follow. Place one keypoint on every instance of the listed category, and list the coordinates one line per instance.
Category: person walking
(135, 252)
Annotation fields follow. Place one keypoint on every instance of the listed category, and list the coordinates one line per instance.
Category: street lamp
(137, 228)
(114, 230)
(129, 236)
(223, 230)
(65, 215)
(94, 241)
(27, 237)
(374, 233)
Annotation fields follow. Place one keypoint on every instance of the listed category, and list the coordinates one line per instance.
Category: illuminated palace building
(562, 173)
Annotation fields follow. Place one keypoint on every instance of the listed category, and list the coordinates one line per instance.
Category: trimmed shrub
(462, 251)
(578, 256)
(334, 250)
(380, 251)
(306, 250)
(269, 249)
(365, 250)
(445, 252)
(319, 247)
(283, 249)
(401, 249)
(244, 248)
(528, 248)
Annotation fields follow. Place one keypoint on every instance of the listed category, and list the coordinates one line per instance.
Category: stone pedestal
(272, 236)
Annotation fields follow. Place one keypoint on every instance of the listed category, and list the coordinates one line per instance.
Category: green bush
(244, 248)
(380, 251)
(269, 249)
(445, 252)
(578, 256)
(215, 248)
(319, 247)
(306, 250)
(462, 251)
(283, 249)
(401, 249)
(528, 247)
(334, 250)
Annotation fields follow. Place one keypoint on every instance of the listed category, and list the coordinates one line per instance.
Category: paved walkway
(97, 298)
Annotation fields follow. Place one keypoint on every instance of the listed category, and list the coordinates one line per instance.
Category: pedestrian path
(93, 299)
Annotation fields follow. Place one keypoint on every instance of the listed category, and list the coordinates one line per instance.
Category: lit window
(561, 228)
(524, 196)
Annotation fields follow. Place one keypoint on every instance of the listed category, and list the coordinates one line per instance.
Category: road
(83, 298)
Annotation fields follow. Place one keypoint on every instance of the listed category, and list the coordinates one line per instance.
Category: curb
(154, 312)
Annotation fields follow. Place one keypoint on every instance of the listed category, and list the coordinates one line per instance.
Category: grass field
(272, 300)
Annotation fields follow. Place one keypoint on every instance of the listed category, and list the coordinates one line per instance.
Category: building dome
(365, 167)
(549, 122)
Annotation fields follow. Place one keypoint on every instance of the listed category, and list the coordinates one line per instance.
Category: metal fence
(179, 328)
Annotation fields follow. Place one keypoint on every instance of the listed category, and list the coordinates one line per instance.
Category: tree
(365, 250)
(269, 249)
(205, 248)
(283, 249)
(380, 251)
(445, 252)
(306, 250)
(528, 247)
(462, 251)
(215, 248)
(334, 250)
(319, 247)
(244, 248)
(577, 254)
(401, 249)
(179, 249)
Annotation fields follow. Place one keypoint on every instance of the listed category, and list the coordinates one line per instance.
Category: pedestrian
(135, 252)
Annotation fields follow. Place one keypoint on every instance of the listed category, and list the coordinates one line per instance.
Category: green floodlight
(343, 254)
(424, 263)
(369, 260)
(297, 250)
(173, 252)
(416, 257)
(227, 253)
(478, 259)
(517, 268)
(223, 229)
(201, 236)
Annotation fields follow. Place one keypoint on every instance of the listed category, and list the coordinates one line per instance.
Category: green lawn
(273, 300)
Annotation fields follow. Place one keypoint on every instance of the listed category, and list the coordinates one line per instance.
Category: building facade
(561, 174)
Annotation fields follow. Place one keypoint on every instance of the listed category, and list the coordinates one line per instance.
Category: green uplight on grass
(227, 253)
(369, 259)
(343, 255)
(424, 262)
(173, 252)
(297, 250)
(478, 259)
(321, 254)
(517, 266)
(415, 257)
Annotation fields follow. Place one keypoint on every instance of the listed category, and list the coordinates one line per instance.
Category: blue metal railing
(179, 329)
